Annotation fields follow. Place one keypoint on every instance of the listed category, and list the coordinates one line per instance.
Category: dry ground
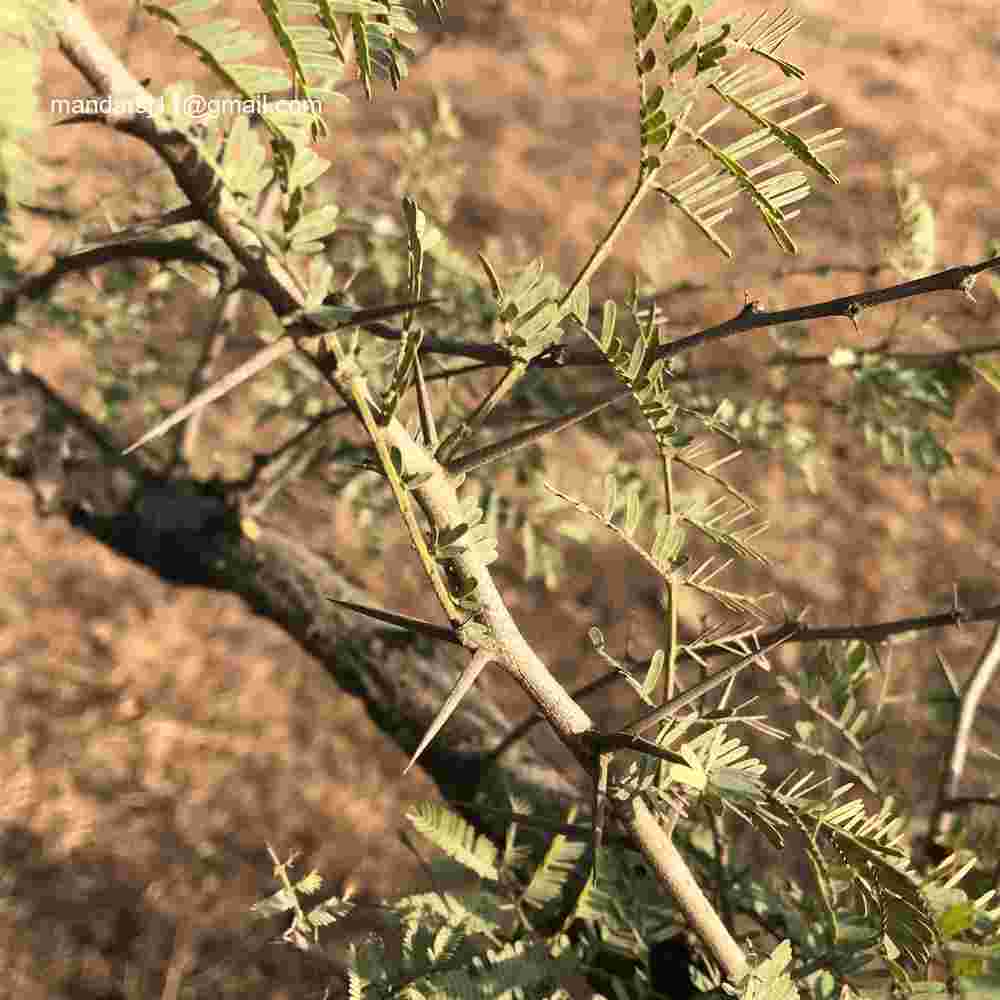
(156, 738)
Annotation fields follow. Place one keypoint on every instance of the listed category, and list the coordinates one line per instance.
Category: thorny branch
(87, 51)
(795, 632)
(84, 47)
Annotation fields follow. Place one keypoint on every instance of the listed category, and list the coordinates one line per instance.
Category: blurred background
(158, 738)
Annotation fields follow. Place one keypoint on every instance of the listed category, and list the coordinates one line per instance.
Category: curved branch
(38, 285)
(190, 534)
(951, 776)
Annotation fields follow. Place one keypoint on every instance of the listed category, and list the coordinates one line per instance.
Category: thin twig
(36, 286)
(752, 317)
(951, 777)
(222, 321)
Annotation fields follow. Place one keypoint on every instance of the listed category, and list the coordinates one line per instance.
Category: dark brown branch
(752, 317)
(38, 285)
(189, 534)
(516, 442)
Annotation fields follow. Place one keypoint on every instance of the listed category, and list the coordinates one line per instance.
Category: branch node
(854, 311)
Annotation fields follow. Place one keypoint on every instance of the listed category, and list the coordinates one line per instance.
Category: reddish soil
(158, 738)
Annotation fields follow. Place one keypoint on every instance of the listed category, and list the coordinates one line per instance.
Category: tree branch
(788, 633)
(951, 775)
(190, 535)
(37, 286)
(752, 317)
(204, 537)
(437, 495)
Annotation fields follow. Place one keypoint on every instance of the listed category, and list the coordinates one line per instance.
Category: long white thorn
(480, 658)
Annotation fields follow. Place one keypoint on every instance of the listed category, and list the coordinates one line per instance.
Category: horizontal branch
(752, 317)
(36, 286)
(794, 632)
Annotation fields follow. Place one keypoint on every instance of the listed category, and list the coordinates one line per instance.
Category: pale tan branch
(951, 776)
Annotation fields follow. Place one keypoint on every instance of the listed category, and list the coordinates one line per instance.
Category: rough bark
(189, 533)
